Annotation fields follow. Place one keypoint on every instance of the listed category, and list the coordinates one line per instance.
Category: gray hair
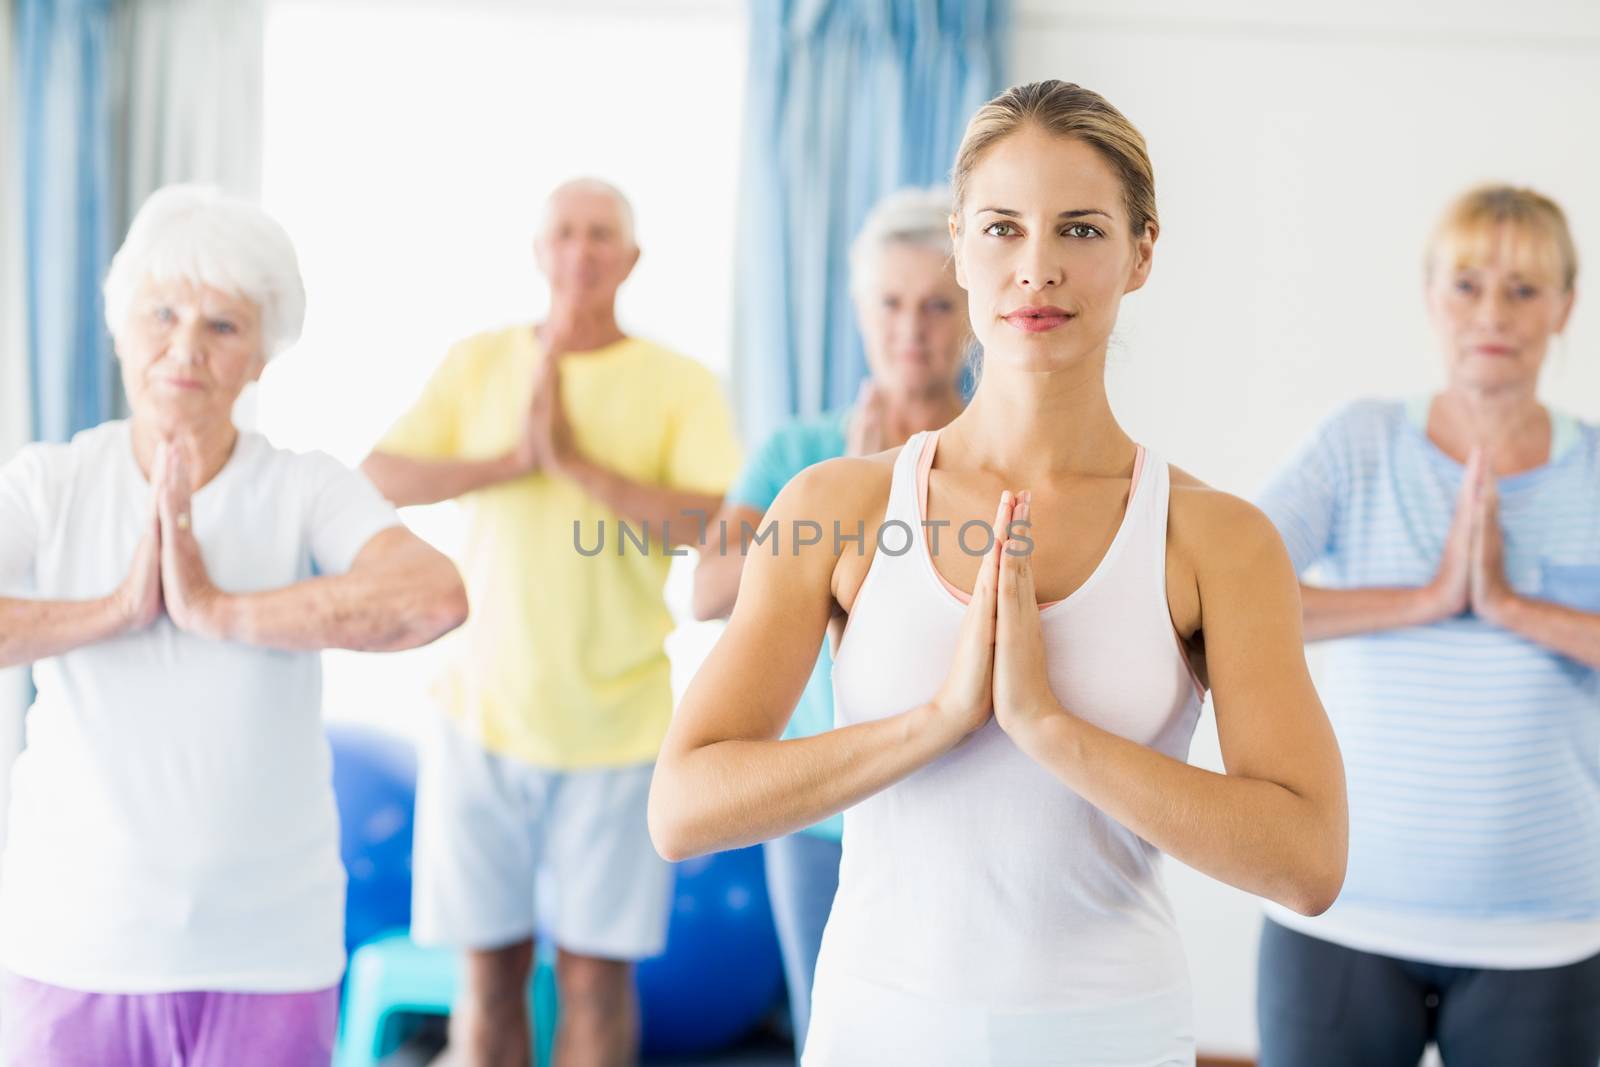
(198, 234)
(596, 185)
(905, 216)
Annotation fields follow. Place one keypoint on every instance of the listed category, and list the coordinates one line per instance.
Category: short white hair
(198, 234)
(601, 186)
(919, 216)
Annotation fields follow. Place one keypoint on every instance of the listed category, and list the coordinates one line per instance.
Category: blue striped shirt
(1472, 754)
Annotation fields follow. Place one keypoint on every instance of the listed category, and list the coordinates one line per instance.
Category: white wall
(1302, 151)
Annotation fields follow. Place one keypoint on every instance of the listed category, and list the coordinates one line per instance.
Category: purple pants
(48, 1026)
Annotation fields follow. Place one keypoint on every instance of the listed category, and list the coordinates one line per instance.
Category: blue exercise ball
(721, 972)
(375, 786)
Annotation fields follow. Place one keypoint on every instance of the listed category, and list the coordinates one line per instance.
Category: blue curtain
(847, 100)
(63, 62)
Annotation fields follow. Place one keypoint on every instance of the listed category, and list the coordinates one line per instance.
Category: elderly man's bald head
(589, 198)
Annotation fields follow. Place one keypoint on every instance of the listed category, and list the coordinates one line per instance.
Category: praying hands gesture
(1273, 824)
(867, 432)
(168, 572)
(999, 666)
(1471, 574)
(547, 442)
(1022, 696)
(193, 603)
(398, 592)
(1489, 589)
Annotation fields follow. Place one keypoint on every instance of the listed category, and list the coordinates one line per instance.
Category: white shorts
(488, 828)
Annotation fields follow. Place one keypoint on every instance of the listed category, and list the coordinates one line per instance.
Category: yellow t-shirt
(562, 663)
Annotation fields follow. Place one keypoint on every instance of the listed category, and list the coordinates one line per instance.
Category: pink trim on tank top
(925, 466)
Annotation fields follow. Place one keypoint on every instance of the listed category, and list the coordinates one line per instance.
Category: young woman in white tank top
(1011, 761)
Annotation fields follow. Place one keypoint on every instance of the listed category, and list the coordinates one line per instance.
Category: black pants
(1324, 1005)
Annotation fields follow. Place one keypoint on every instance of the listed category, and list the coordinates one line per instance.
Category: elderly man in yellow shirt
(560, 693)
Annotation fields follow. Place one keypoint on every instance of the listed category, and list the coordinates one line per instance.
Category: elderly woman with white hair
(913, 320)
(171, 890)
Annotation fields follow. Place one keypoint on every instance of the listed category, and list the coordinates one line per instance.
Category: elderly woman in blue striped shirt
(1453, 545)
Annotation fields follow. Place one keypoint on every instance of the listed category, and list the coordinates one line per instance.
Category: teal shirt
(791, 449)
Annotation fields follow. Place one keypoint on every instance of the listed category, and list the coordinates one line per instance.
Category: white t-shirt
(172, 821)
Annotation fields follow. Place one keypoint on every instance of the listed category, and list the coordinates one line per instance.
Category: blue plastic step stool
(392, 974)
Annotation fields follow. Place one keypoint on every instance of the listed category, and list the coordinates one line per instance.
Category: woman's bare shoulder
(845, 489)
(1212, 528)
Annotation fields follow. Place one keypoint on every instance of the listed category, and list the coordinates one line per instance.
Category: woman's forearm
(32, 630)
(1331, 613)
(366, 610)
(1571, 632)
(729, 794)
(1254, 834)
(406, 481)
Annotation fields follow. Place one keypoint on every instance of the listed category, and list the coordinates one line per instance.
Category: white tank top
(985, 912)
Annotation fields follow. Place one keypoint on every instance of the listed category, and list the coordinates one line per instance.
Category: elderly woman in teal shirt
(913, 321)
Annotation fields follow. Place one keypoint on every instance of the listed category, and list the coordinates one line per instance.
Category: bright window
(408, 148)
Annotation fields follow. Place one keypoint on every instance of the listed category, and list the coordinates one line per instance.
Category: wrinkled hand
(867, 432)
(138, 598)
(966, 700)
(1022, 694)
(192, 601)
(1450, 591)
(527, 455)
(532, 452)
(547, 441)
(1489, 589)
